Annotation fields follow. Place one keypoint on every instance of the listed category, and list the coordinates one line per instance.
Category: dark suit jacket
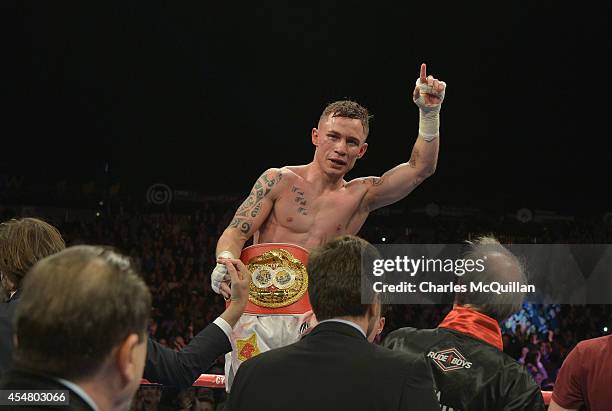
(7, 313)
(163, 365)
(26, 380)
(333, 368)
(182, 368)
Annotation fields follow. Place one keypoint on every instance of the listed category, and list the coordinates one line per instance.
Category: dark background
(207, 95)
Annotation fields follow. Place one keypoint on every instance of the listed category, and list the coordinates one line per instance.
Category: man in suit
(81, 327)
(182, 368)
(25, 241)
(334, 366)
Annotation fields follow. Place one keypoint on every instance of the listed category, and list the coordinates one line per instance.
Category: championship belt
(279, 281)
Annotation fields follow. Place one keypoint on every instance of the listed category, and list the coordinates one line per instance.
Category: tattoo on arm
(414, 157)
(246, 205)
(376, 181)
(256, 210)
(242, 224)
(251, 206)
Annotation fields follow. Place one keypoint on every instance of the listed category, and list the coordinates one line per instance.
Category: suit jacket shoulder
(334, 367)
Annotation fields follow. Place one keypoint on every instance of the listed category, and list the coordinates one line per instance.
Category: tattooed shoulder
(252, 205)
(271, 177)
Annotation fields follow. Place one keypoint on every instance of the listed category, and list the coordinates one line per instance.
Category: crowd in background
(176, 254)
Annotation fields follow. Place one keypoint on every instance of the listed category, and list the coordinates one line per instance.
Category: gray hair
(501, 266)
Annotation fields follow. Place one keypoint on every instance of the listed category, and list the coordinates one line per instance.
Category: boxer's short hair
(348, 109)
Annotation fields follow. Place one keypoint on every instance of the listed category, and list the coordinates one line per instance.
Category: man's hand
(428, 95)
(429, 91)
(241, 279)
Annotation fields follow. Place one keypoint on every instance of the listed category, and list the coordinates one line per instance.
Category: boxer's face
(340, 141)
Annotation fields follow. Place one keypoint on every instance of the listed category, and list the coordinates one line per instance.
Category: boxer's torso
(304, 216)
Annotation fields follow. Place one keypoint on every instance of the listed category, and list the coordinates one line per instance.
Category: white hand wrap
(429, 124)
(220, 274)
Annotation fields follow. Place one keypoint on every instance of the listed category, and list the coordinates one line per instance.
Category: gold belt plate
(278, 279)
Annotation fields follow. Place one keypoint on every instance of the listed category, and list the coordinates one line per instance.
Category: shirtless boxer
(307, 205)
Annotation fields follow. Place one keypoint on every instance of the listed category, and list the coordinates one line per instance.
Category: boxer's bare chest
(305, 217)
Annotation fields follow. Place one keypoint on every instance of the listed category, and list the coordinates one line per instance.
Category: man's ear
(362, 150)
(315, 136)
(373, 310)
(126, 358)
(381, 324)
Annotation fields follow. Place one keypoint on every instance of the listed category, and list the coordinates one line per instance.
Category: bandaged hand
(428, 95)
(220, 277)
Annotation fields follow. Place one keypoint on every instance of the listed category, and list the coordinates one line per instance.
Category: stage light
(383, 239)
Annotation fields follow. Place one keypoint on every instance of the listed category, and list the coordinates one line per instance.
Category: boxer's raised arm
(398, 182)
(246, 221)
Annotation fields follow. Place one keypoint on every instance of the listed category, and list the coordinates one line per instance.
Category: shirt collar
(80, 392)
(347, 322)
(475, 324)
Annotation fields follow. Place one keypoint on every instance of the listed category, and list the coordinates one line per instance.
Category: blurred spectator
(101, 364)
(584, 379)
(22, 243)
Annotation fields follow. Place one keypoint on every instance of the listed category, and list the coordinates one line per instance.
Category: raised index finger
(423, 75)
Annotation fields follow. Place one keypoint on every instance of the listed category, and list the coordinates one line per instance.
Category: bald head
(76, 306)
(500, 266)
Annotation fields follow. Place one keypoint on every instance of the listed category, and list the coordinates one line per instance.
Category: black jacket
(163, 365)
(333, 368)
(182, 368)
(7, 313)
(470, 374)
(25, 380)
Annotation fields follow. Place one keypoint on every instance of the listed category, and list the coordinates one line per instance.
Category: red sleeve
(569, 387)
